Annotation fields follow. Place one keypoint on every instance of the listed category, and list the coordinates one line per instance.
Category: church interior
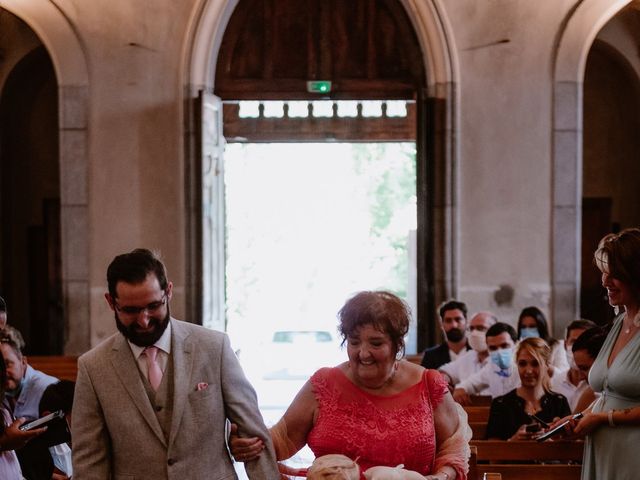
(270, 150)
(115, 117)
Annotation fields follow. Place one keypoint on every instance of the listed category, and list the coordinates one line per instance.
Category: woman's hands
(244, 449)
(13, 438)
(577, 428)
(522, 434)
(589, 423)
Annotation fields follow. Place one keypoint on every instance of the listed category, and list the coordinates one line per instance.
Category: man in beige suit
(152, 400)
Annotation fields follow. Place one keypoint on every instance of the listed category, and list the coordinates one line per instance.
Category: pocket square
(202, 386)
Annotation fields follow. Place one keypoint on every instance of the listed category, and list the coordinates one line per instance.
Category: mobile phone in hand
(532, 428)
(558, 429)
(42, 421)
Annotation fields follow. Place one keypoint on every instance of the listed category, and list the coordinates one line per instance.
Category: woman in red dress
(374, 408)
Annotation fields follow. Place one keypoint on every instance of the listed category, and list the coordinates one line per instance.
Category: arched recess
(574, 41)
(54, 29)
(208, 23)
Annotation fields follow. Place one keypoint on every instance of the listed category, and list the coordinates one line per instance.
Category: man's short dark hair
(452, 305)
(12, 337)
(57, 396)
(581, 323)
(3, 305)
(133, 268)
(500, 327)
(590, 340)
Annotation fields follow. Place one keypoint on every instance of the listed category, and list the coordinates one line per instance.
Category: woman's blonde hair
(540, 350)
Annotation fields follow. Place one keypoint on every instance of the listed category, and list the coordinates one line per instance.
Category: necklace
(635, 323)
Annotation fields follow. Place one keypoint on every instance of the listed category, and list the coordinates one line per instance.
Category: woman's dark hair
(618, 255)
(133, 268)
(57, 396)
(383, 310)
(591, 340)
(541, 323)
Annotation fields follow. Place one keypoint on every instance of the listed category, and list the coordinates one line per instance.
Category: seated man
(473, 360)
(572, 383)
(453, 321)
(499, 376)
(23, 385)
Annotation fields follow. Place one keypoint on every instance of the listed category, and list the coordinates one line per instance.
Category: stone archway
(65, 49)
(580, 29)
(433, 31)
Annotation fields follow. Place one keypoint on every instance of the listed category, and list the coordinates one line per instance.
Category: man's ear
(110, 301)
(169, 290)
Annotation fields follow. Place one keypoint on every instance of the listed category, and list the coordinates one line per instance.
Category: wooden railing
(59, 366)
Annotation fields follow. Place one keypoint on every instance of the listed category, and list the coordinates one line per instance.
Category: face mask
(570, 360)
(61, 455)
(528, 333)
(502, 358)
(455, 335)
(478, 341)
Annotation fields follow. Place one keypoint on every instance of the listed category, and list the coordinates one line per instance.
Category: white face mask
(478, 341)
(570, 360)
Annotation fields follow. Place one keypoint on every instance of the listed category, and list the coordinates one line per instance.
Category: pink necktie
(153, 367)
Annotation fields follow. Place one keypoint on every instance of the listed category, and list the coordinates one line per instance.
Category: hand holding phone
(555, 431)
(42, 421)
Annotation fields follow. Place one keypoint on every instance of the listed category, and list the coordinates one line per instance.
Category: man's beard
(455, 335)
(145, 339)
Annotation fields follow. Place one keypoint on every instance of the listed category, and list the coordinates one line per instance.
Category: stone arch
(209, 20)
(65, 48)
(574, 41)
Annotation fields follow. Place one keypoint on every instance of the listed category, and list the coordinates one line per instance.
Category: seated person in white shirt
(585, 350)
(473, 360)
(572, 382)
(500, 375)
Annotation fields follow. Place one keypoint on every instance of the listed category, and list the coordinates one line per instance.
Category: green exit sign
(319, 86)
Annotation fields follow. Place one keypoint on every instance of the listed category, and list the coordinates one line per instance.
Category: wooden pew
(479, 430)
(60, 366)
(486, 456)
(477, 414)
(528, 451)
(531, 472)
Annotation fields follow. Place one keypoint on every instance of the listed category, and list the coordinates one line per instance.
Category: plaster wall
(136, 185)
(505, 50)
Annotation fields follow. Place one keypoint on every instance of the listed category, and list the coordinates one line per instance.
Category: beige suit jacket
(116, 434)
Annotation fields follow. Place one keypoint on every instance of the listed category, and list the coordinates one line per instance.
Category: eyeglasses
(152, 308)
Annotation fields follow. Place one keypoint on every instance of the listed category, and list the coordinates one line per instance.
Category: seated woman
(374, 408)
(511, 414)
(11, 437)
(532, 323)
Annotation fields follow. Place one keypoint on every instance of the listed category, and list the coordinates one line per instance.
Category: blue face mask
(529, 333)
(502, 358)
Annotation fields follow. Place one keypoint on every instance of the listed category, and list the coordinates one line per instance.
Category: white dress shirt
(464, 366)
(490, 379)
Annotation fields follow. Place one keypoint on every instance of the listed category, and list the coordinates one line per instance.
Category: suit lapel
(126, 368)
(182, 352)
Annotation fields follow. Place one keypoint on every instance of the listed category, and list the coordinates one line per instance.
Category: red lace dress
(376, 430)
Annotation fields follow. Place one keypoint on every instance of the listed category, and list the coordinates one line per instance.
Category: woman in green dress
(611, 423)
